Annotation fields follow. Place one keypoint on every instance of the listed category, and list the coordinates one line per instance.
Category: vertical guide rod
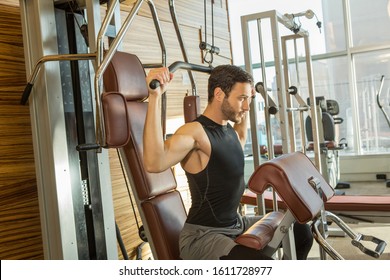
(253, 109)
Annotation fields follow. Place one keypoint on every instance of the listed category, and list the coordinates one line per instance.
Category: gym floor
(382, 231)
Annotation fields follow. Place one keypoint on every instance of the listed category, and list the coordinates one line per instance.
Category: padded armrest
(115, 117)
(261, 233)
(289, 175)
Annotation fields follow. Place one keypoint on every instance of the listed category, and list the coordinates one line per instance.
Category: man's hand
(163, 76)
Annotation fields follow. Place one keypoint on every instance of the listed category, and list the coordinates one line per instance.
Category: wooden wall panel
(191, 13)
(20, 231)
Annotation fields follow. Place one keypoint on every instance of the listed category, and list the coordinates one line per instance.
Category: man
(210, 151)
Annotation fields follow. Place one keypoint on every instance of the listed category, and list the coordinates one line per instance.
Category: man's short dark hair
(225, 77)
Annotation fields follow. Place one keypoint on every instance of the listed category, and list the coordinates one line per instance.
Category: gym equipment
(74, 185)
(380, 105)
(296, 26)
(191, 102)
(209, 50)
(304, 192)
(330, 146)
(101, 59)
(282, 83)
(272, 110)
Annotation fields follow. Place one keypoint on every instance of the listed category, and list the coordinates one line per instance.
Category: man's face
(238, 102)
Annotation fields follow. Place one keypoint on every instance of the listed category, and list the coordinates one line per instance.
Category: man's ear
(219, 94)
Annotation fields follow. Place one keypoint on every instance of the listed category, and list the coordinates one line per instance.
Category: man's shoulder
(191, 129)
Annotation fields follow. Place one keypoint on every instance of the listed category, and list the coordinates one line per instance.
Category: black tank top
(216, 191)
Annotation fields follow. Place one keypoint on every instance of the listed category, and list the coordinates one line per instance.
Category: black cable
(128, 189)
(83, 28)
(211, 50)
(120, 241)
(212, 22)
(78, 7)
(205, 21)
(319, 23)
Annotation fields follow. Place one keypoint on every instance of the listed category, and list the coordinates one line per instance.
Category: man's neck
(215, 115)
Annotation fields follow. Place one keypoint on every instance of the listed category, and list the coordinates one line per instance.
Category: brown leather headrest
(125, 74)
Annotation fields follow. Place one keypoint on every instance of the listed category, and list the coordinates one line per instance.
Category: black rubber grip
(293, 90)
(87, 147)
(272, 110)
(26, 93)
(154, 84)
(259, 87)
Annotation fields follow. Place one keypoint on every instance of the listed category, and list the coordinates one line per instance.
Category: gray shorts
(209, 243)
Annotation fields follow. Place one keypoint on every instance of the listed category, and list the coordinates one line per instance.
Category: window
(349, 76)
(370, 21)
(373, 122)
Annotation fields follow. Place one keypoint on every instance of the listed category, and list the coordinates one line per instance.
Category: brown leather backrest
(161, 205)
(147, 184)
(125, 74)
(289, 176)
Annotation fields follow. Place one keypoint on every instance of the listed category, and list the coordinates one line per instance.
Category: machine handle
(209, 48)
(185, 66)
(382, 80)
(273, 109)
(293, 90)
(338, 120)
(26, 93)
(381, 245)
(87, 147)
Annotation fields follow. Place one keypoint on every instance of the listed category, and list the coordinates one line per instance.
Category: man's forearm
(153, 138)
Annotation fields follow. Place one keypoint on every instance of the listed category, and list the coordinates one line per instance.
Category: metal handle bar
(40, 62)
(185, 66)
(273, 109)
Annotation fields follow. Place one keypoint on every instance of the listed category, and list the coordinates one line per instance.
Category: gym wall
(20, 235)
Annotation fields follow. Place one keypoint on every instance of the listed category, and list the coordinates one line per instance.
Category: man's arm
(242, 129)
(160, 155)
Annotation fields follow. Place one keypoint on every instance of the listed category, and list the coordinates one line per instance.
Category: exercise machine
(304, 191)
(381, 107)
(253, 35)
(330, 146)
